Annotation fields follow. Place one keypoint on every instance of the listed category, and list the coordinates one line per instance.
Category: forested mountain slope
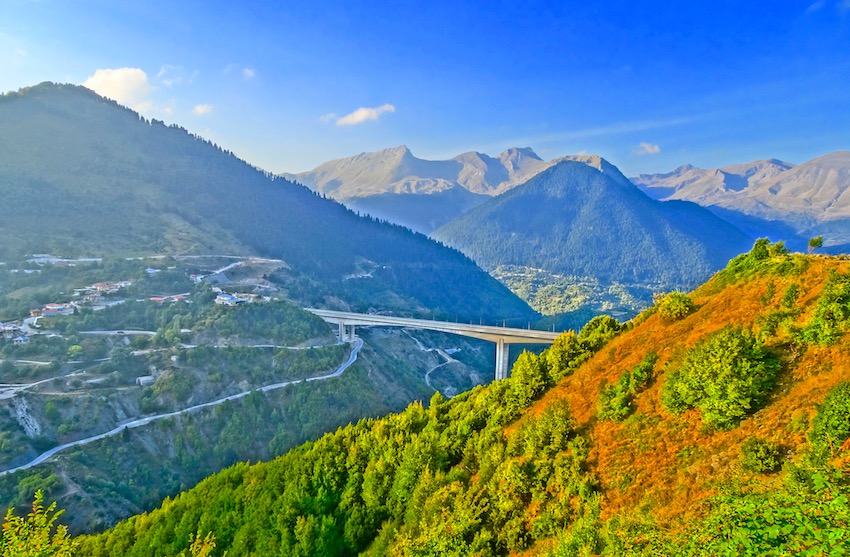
(665, 436)
(584, 218)
(82, 175)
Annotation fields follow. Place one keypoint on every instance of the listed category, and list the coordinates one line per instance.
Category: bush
(598, 331)
(832, 314)
(789, 298)
(615, 401)
(727, 376)
(760, 456)
(675, 305)
(831, 425)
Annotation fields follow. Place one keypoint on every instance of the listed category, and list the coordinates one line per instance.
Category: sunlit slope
(669, 464)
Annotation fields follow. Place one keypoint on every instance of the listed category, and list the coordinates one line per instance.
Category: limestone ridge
(395, 185)
(397, 170)
(811, 198)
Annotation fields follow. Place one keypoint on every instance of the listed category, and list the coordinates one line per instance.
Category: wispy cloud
(329, 117)
(647, 149)
(202, 109)
(815, 6)
(843, 7)
(168, 76)
(364, 114)
(128, 86)
(614, 129)
(236, 69)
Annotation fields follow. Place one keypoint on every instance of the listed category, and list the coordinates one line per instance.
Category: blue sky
(286, 85)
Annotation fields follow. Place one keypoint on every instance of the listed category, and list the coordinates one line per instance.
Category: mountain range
(768, 196)
(394, 185)
(82, 175)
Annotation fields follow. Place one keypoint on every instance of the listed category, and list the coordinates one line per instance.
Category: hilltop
(82, 175)
(600, 445)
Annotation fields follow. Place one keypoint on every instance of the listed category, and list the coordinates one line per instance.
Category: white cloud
(648, 149)
(248, 73)
(202, 109)
(128, 86)
(364, 114)
(329, 117)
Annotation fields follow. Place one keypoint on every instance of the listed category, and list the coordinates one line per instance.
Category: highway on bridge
(502, 336)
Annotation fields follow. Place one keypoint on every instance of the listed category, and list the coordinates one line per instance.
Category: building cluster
(226, 299)
(11, 331)
(87, 295)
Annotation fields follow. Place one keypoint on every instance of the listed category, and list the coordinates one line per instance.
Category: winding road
(358, 344)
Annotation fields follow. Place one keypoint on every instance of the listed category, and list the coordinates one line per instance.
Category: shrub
(727, 376)
(760, 456)
(642, 373)
(675, 305)
(789, 298)
(832, 314)
(831, 425)
(615, 401)
(598, 331)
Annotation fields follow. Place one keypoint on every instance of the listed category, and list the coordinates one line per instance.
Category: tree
(201, 547)
(815, 243)
(34, 536)
(727, 376)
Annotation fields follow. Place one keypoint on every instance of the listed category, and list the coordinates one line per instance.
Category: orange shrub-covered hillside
(664, 466)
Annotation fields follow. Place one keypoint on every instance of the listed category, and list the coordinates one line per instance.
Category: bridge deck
(495, 334)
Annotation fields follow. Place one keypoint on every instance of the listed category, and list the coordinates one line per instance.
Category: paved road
(119, 333)
(358, 344)
(8, 390)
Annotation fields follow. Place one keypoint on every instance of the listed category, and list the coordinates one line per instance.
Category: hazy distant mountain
(808, 199)
(708, 186)
(395, 185)
(582, 217)
(81, 175)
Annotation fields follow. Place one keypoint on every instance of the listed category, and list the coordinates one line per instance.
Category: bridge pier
(502, 359)
(346, 332)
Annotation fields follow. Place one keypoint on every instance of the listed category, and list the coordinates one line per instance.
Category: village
(108, 293)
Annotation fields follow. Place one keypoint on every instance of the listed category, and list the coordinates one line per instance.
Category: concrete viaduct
(502, 336)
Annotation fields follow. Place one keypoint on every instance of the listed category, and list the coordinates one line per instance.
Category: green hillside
(83, 176)
(715, 423)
